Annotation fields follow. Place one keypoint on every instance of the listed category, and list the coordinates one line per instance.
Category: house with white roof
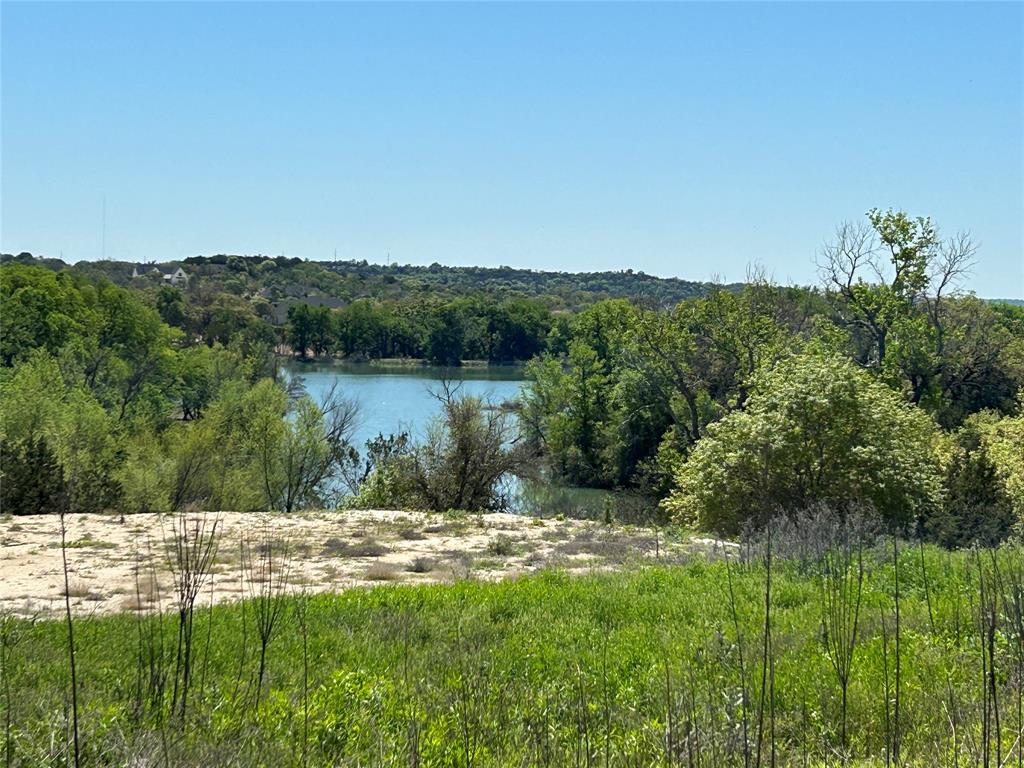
(177, 277)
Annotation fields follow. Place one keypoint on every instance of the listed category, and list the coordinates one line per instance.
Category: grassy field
(670, 665)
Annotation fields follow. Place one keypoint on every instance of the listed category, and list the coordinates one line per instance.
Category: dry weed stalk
(193, 548)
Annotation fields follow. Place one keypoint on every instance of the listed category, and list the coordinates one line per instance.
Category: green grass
(544, 670)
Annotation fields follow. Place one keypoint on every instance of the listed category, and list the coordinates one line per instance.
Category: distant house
(177, 277)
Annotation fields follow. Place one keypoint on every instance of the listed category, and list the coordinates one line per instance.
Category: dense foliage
(734, 405)
(279, 276)
(105, 406)
(886, 385)
(369, 311)
(815, 429)
(445, 333)
(108, 407)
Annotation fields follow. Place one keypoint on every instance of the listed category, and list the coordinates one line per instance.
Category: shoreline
(399, 362)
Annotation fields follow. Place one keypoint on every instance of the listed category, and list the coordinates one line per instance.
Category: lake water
(394, 399)
(398, 399)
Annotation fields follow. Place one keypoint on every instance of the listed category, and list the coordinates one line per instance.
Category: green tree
(226, 318)
(1003, 440)
(977, 508)
(40, 310)
(204, 370)
(310, 328)
(639, 387)
(980, 365)
(564, 413)
(895, 254)
(128, 358)
(31, 478)
(816, 429)
(894, 286)
(62, 431)
(171, 305)
(446, 340)
(322, 329)
(145, 475)
(297, 449)
(361, 330)
(299, 331)
(516, 330)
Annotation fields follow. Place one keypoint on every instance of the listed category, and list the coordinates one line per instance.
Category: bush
(816, 429)
(32, 479)
(59, 433)
(1003, 439)
(977, 508)
(501, 545)
(469, 451)
(389, 486)
(145, 477)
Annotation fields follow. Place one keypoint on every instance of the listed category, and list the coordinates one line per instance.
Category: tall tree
(891, 281)
(300, 329)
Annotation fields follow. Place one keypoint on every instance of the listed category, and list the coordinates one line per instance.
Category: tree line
(108, 407)
(445, 333)
(354, 279)
(884, 386)
(110, 403)
(259, 279)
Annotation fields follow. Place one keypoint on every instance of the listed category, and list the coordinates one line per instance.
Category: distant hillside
(281, 279)
(573, 287)
(1014, 302)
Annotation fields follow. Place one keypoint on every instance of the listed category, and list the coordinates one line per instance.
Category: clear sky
(687, 139)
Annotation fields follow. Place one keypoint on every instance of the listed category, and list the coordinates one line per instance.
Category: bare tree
(953, 261)
(914, 264)
(468, 452)
(844, 259)
(881, 275)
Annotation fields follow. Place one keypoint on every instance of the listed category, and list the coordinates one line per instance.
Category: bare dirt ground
(126, 563)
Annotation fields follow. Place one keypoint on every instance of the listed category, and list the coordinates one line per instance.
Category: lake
(395, 399)
(398, 398)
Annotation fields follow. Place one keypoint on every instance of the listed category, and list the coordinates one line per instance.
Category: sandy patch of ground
(125, 563)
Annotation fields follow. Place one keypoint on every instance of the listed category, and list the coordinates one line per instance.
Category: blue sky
(687, 139)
